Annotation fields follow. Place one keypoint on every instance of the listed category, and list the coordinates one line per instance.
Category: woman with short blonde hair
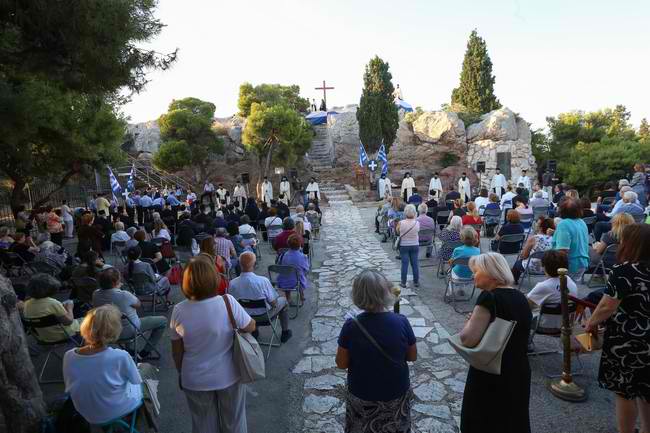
(103, 382)
(497, 403)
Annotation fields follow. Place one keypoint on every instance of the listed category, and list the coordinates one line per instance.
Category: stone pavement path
(437, 377)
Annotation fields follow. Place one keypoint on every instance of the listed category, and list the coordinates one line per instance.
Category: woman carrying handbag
(497, 402)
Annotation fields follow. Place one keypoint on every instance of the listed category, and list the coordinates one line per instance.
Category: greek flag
(363, 156)
(115, 185)
(381, 156)
(130, 184)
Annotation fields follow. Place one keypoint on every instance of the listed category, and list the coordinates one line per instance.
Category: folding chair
(514, 239)
(607, 260)
(314, 221)
(139, 282)
(527, 222)
(540, 211)
(117, 250)
(274, 228)
(32, 325)
(38, 266)
(287, 271)
(82, 290)
(13, 264)
(491, 215)
(132, 343)
(590, 222)
(263, 320)
(441, 272)
(431, 234)
(453, 282)
(442, 219)
(256, 248)
(121, 424)
(537, 255)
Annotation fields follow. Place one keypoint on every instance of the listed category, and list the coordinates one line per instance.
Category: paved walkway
(437, 377)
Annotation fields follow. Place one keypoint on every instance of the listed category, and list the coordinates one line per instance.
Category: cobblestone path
(437, 377)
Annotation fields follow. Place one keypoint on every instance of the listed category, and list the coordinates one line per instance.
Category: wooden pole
(397, 292)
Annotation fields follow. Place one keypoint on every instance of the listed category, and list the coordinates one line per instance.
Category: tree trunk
(62, 183)
(21, 400)
(17, 196)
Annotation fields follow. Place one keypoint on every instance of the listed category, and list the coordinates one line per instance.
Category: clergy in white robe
(267, 191)
(408, 185)
(285, 188)
(435, 185)
(239, 195)
(498, 184)
(222, 196)
(384, 187)
(313, 192)
(464, 188)
(525, 180)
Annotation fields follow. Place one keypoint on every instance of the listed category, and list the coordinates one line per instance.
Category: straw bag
(247, 354)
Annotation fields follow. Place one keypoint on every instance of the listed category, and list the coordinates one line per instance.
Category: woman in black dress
(497, 403)
(625, 306)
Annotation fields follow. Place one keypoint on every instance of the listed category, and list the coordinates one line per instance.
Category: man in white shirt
(537, 187)
(435, 185)
(464, 188)
(300, 216)
(267, 191)
(507, 197)
(285, 188)
(246, 228)
(499, 183)
(222, 196)
(408, 185)
(239, 195)
(524, 179)
(254, 287)
(384, 187)
(313, 191)
(208, 190)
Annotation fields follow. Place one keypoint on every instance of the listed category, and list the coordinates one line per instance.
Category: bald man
(251, 286)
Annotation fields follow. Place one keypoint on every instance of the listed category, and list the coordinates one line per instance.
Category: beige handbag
(247, 353)
(486, 355)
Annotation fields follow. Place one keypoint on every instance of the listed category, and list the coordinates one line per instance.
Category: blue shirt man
(172, 200)
(159, 202)
(145, 201)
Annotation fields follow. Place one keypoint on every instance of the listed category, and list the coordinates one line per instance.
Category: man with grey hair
(300, 216)
(426, 223)
(254, 287)
(629, 204)
(538, 200)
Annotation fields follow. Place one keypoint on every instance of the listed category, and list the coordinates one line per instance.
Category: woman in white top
(202, 347)
(408, 229)
(120, 235)
(103, 382)
(160, 230)
(68, 220)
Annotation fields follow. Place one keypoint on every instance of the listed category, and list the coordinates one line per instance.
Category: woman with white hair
(449, 236)
(374, 347)
(426, 223)
(409, 244)
(493, 402)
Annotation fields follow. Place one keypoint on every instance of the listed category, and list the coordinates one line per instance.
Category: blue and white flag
(130, 184)
(381, 156)
(115, 185)
(363, 156)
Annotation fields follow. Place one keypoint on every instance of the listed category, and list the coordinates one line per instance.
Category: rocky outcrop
(344, 127)
(145, 137)
(440, 127)
(497, 125)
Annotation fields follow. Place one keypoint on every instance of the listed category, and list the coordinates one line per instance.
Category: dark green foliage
(644, 130)
(270, 94)
(187, 136)
(476, 90)
(448, 159)
(377, 113)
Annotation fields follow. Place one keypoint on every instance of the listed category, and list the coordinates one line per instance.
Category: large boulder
(497, 125)
(440, 127)
(146, 137)
(344, 128)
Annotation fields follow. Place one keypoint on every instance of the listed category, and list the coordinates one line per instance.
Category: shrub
(447, 159)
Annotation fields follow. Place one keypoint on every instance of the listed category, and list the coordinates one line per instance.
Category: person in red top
(288, 228)
(472, 217)
(208, 249)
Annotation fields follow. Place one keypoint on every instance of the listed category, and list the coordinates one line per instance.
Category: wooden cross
(324, 89)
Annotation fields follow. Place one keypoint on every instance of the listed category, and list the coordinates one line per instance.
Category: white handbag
(486, 355)
(247, 353)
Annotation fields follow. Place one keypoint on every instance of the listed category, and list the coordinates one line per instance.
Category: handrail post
(566, 388)
(397, 292)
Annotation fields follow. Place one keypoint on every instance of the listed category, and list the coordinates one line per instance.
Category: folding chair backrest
(555, 310)
(427, 233)
(141, 282)
(540, 211)
(507, 204)
(454, 244)
(490, 212)
(609, 255)
(285, 270)
(251, 304)
(537, 255)
(443, 216)
(84, 287)
(460, 261)
(158, 241)
(41, 322)
(313, 220)
(609, 200)
(118, 245)
(274, 228)
(590, 221)
(512, 239)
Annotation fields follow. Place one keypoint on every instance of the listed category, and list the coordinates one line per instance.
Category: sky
(548, 56)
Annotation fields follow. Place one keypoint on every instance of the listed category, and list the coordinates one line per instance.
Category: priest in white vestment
(525, 180)
(464, 188)
(499, 183)
(222, 196)
(408, 185)
(267, 191)
(239, 195)
(384, 187)
(313, 192)
(285, 189)
(435, 185)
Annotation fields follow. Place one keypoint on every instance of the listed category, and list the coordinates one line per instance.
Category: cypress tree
(377, 113)
(476, 90)
(644, 129)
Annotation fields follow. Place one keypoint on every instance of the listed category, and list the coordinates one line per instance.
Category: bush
(448, 159)
(219, 129)
(411, 117)
(469, 118)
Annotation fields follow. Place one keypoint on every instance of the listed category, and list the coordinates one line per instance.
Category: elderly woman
(160, 230)
(202, 347)
(492, 222)
(571, 235)
(612, 237)
(470, 240)
(294, 257)
(409, 244)
(638, 183)
(625, 310)
(512, 226)
(426, 223)
(42, 288)
(374, 347)
(491, 402)
(540, 241)
(103, 382)
(449, 236)
(120, 235)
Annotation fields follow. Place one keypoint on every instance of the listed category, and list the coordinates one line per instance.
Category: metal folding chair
(441, 272)
(139, 282)
(442, 219)
(287, 271)
(121, 424)
(514, 239)
(118, 249)
(83, 289)
(132, 343)
(491, 215)
(32, 325)
(263, 320)
(527, 221)
(314, 221)
(273, 228)
(450, 295)
(540, 211)
(590, 222)
(607, 260)
(537, 255)
(431, 234)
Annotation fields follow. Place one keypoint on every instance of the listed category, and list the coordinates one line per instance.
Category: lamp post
(566, 388)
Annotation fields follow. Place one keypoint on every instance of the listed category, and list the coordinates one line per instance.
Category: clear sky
(549, 56)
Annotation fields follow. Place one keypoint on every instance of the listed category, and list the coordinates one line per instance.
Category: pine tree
(377, 113)
(476, 90)
(644, 129)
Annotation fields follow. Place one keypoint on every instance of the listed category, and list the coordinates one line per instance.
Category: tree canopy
(276, 133)
(475, 93)
(187, 136)
(377, 114)
(644, 129)
(270, 94)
